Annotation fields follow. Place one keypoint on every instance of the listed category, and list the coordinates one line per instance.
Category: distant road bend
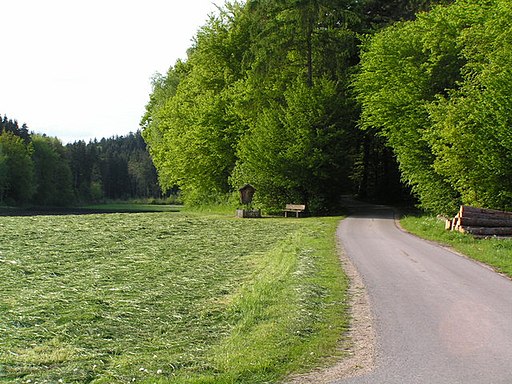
(439, 317)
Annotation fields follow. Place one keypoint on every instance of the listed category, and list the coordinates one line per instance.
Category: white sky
(81, 69)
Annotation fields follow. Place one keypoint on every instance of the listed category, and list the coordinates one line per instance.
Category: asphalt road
(439, 317)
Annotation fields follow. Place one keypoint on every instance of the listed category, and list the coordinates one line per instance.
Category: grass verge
(167, 298)
(492, 251)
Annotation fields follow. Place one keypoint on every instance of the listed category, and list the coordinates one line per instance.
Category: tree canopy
(265, 97)
(436, 89)
(306, 100)
(39, 170)
(238, 110)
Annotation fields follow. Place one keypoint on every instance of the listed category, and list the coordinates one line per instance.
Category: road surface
(439, 318)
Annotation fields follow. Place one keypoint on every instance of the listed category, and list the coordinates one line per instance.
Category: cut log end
(481, 222)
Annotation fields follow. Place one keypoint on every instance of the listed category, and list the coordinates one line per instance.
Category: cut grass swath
(166, 298)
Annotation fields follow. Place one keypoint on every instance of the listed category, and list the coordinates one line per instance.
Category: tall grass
(166, 298)
(491, 251)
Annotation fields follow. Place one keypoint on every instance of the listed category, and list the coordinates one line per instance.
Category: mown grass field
(492, 251)
(167, 298)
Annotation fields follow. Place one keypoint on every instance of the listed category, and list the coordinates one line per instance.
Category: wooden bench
(295, 208)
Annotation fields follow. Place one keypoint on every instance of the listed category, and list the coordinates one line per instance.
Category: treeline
(438, 90)
(116, 168)
(266, 97)
(307, 99)
(40, 170)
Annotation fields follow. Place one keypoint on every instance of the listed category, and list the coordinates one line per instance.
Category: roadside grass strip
(167, 298)
(495, 252)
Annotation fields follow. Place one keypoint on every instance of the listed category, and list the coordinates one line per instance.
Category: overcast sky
(82, 69)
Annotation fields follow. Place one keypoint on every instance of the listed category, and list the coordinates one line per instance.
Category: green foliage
(162, 297)
(246, 77)
(18, 169)
(52, 172)
(37, 169)
(4, 173)
(414, 85)
(189, 125)
(12, 126)
(293, 151)
(384, 12)
(114, 168)
(471, 134)
(393, 89)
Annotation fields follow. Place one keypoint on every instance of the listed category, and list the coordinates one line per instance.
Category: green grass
(492, 251)
(167, 298)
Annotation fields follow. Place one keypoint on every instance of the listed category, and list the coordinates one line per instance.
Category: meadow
(495, 252)
(167, 297)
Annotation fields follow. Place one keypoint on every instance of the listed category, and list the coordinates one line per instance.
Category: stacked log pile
(481, 222)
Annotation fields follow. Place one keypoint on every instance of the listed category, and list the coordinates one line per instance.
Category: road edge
(360, 341)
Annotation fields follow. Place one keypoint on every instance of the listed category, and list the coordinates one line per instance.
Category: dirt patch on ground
(361, 341)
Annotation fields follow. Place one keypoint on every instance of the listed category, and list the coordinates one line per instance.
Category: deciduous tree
(19, 184)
